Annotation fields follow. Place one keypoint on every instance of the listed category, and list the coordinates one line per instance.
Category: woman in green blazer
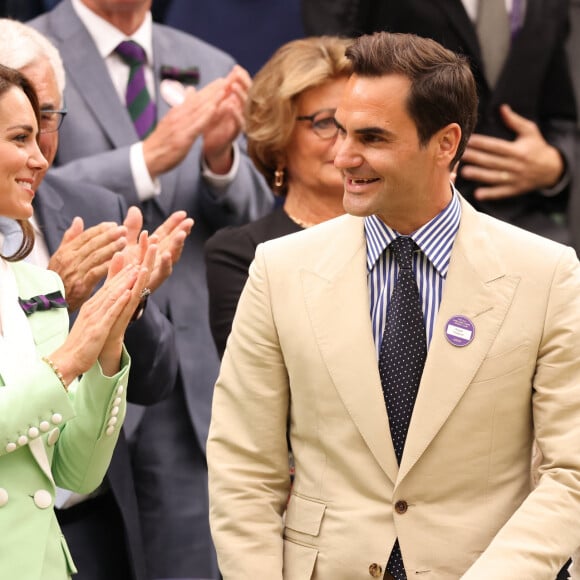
(54, 428)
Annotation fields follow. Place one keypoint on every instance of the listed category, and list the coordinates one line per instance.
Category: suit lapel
(51, 214)
(163, 55)
(87, 70)
(525, 41)
(28, 284)
(463, 26)
(476, 287)
(337, 302)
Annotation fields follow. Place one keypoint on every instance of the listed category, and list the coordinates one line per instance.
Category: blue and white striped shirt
(435, 240)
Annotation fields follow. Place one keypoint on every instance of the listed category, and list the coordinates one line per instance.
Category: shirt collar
(435, 238)
(106, 37)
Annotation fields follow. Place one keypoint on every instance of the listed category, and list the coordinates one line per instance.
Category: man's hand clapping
(169, 237)
(227, 122)
(84, 256)
(214, 112)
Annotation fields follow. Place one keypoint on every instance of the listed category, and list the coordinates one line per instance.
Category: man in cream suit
(502, 327)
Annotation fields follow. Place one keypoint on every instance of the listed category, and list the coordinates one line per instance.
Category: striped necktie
(138, 100)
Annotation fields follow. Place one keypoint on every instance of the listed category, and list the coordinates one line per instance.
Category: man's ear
(448, 139)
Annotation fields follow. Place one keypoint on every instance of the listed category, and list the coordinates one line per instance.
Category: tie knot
(131, 52)
(403, 248)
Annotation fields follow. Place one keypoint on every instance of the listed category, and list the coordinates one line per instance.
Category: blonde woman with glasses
(291, 134)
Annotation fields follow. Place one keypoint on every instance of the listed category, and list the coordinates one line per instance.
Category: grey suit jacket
(149, 341)
(94, 147)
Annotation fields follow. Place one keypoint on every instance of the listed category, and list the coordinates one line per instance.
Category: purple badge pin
(459, 330)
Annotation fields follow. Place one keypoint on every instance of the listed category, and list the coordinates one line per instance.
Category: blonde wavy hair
(270, 111)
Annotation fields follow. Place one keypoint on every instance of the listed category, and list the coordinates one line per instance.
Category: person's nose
(345, 154)
(36, 159)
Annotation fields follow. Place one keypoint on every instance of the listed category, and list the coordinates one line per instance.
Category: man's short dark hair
(443, 89)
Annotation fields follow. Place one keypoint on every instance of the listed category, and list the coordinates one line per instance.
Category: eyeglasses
(50, 121)
(323, 123)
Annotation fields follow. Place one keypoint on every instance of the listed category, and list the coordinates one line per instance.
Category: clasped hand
(511, 168)
(98, 331)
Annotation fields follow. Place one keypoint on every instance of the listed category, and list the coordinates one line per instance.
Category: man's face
(386, 171)
(42, 77)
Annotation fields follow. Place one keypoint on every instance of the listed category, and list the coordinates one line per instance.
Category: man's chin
(354, 205)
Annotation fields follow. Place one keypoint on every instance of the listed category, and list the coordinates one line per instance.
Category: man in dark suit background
(191, 161)
(78, 229)
(523, 174)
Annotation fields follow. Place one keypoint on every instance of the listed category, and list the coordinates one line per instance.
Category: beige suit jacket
(302, 353)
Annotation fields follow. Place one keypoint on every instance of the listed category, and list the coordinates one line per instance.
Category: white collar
(107, 37)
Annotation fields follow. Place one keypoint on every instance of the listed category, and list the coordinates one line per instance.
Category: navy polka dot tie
(401, 360)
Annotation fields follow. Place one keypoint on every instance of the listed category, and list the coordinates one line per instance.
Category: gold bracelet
(56, 371)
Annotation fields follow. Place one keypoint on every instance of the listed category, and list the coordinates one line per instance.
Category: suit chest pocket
(504, 363)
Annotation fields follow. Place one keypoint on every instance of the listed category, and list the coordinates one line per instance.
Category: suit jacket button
(375, 570)
(42, 499)
(401, 506)
(56, 418)
(3, 497)
(44, 426)
(33, 432)
(11, 447)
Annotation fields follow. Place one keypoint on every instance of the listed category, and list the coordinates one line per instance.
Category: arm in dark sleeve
(558, 114)
(228, 255)
(150, 341)
(151, 344)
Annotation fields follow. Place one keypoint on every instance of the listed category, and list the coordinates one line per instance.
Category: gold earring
(278, 178)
